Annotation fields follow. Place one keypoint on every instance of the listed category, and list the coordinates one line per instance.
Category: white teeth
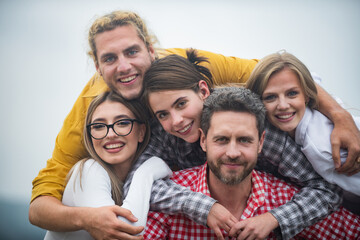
(185, 129)
(128, 79)
(284, 116)
(112, 146)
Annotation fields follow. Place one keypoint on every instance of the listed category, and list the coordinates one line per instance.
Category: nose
(282, 103)
(176, 119)
(233, 150)
(111, 133)
(124, 65)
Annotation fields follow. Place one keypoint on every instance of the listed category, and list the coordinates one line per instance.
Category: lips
(114, 145)
(127, 79)
(186, 129)
(285, 116)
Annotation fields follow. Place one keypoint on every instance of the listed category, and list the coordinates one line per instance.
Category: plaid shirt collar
(255, 200)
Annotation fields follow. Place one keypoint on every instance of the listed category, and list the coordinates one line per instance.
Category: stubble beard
(231, 178)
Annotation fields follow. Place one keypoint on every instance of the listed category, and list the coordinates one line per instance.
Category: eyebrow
(116, 118)
(135, 45)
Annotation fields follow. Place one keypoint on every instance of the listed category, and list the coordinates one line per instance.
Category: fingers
(356, 168)
(335, 146)
(129, 229)
(126, 213)
(351, 164)
(219, 234)
(236, 229)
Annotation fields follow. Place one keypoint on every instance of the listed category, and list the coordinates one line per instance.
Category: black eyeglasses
(121, 127)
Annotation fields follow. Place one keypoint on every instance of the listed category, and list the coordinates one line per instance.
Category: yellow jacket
(69, 147)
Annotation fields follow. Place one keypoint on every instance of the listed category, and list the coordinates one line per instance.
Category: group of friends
(189, 144)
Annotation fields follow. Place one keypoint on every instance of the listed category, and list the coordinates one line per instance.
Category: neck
(122, 169)
(232, 197)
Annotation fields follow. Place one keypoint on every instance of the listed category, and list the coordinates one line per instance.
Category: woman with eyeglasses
(116, 132)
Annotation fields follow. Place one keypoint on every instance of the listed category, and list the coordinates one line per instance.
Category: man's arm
(49, 213)
(315, 200)
(345, 134)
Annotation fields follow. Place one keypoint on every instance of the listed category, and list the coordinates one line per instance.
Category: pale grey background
(44, 65)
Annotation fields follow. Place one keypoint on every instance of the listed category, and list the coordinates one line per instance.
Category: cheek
(269, 108)
(97, 146)
(166, 124)
(196, 110)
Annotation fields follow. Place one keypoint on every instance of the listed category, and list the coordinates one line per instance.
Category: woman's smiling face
(114, 149)
(284, 100)
(179, 111)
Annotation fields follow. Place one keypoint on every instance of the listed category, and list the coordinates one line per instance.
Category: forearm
(311, 204)
(49, 213)
(329, 107)
(171, 198)
(138, 197)
(316, 198)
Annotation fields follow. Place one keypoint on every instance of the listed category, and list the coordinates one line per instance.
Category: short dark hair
(233, 99)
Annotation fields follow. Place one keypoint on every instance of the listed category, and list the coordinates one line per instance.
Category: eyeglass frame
(88, 127)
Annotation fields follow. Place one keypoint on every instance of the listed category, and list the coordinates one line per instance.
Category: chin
(192, 138)
(130, 95)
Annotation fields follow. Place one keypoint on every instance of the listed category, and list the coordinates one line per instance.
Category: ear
(261, 141)
(204, 91)
(142, 132)
(202, 140)
(98, 68)
(151, 51)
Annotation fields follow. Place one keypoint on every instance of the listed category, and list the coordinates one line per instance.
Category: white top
(313, 135)
(95, 191)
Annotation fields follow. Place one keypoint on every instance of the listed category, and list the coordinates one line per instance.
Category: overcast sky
(44, 64)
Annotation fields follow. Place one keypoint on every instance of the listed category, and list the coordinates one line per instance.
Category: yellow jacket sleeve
(69, 147)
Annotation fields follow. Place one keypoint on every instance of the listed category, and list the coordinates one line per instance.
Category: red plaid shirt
(268, 192)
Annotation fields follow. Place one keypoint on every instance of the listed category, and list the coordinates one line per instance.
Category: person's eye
(109, 59)
(293, 93)
(161, 116)
(181, 104)
(245, 140)
(98, 127)
(221, 140)
(268, 98)
(123, 123)
(132, 52)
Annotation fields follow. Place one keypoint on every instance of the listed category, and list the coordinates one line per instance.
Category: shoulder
(89, 170)
(275, 184)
